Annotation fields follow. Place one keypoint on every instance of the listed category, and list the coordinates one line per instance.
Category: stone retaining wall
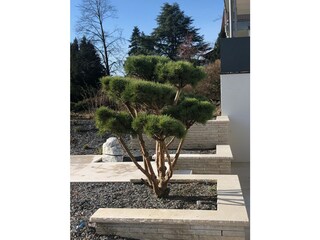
(228, 222)
(199, 136)
(164, 231)
(219, 163)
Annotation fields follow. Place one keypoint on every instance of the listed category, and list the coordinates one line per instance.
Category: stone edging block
(218, 163)
(227, 222)
(200, 136)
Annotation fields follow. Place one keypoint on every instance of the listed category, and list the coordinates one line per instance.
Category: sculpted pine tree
(154, 107)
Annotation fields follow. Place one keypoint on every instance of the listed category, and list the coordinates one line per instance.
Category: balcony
(235, 55)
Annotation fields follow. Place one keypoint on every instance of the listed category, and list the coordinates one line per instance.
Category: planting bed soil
(86, 198)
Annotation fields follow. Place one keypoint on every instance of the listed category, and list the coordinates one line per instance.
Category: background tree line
(174, 37)
(86, 68)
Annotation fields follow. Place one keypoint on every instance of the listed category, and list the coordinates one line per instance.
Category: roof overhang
(243, 6)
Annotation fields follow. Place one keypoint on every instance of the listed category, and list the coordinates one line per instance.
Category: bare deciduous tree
(92, 24)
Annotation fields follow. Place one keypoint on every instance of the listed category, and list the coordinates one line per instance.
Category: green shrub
(210, 85)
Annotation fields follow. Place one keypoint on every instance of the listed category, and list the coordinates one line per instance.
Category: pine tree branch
(176, 98)
(125, 147)
(170, 142)
(145, 154)
(174, 162)
(170, 170)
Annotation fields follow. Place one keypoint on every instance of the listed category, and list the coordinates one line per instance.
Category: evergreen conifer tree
(173, 29)
(140, 44)
(135, 42)
(86, 68)
(215, 54)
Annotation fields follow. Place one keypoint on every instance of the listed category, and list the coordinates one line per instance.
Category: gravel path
(86, 198)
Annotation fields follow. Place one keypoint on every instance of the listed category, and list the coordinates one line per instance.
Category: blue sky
(206, 14)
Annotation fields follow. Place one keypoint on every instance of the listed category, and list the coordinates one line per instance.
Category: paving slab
(87, 168)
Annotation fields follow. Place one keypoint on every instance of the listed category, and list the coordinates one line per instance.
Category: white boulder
(112, 151)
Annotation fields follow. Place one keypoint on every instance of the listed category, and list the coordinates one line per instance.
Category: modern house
(235, 75)
(235, 88)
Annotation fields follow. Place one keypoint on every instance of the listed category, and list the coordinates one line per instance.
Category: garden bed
(86, 198)
(228, 222)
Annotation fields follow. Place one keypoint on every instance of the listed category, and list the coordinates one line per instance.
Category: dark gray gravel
(84, 137)
(86, 198)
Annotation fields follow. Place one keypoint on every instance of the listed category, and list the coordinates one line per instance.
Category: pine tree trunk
(161, 190)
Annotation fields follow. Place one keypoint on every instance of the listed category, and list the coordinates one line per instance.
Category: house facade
(235, 75)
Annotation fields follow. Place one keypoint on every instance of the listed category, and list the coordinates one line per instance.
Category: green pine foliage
(142, 94)
(140, 44)
(151, 95)
(147, 45)
(190, 110)
(159, 127)
(134, 41)
(144, 67)
(157, 98)
(180, 73)
(118, 123)
(117, 88)
(215, 54)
